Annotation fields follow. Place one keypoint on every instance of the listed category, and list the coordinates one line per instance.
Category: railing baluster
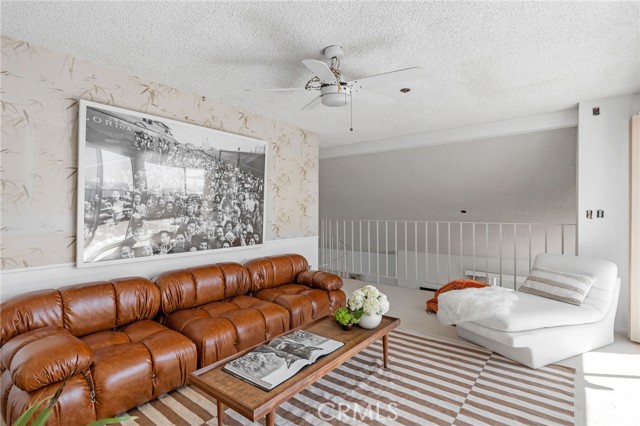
(378, 249)
(406, 254)
(529, 249)
(321, 250)
(426, 252)
(546, 239)
(449, 251)
(438, 253)
(344, 246)
(486, 253)
(396, 249)
(416, 249)
(360, 245)
(369, 243)
(386, 248)
(353, 261)
(515, 245)
(562, 238)
(461, 254)
(500, 257)
(338, 241)
(331, 246)
(473, 248)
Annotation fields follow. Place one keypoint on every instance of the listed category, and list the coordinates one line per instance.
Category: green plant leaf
(43, 416)
(112, 420)
(23, 420)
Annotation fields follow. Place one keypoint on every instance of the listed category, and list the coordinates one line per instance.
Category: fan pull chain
(351, 128)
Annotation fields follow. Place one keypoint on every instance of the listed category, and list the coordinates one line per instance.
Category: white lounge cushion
(530, 312)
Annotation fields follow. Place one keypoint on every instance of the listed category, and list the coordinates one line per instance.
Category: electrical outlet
(600, 214)
(589, 214)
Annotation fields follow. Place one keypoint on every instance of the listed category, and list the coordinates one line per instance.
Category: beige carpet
(431, 381)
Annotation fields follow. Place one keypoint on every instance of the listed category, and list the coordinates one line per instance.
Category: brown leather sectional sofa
(127, 341)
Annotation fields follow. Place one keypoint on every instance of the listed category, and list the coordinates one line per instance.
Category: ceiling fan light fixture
(330, 96)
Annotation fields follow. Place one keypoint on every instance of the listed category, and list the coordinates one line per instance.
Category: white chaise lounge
(538, 331)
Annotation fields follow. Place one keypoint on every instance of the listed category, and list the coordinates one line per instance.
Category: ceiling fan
(335, 92)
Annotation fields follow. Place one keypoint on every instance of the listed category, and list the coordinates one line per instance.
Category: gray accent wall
(520, 178)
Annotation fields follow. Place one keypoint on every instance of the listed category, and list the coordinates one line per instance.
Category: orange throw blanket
(432, 304)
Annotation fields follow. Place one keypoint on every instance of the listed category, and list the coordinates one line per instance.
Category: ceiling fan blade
(320, 70)
(367, 96)
(288, 89)
(314, 103)
(389, 77)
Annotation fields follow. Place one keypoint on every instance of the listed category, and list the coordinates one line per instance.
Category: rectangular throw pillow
(561, 286)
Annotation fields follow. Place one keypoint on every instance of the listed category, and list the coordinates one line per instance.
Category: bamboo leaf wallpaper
(38, 173)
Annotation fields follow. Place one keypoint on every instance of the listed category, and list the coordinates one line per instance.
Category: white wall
(603, 183)
(518, 178)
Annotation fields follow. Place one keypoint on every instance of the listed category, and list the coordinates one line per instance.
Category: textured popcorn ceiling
(486, 61)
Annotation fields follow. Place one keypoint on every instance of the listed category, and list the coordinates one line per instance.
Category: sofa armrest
(48, 360)
(318, 279)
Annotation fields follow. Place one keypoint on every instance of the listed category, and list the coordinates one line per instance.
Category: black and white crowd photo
(156, 187)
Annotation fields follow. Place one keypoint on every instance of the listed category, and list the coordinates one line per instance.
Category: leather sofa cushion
(189, 288)
(74, 407)
(273, 271)
(104, 339)
(48, 360)
(320, 279)
(132, 333)
(82, 309)
(10, 348)
(534, 312)
(129, 374)
(303, 303)
(89, 308)
(221, 329)
(31, 311)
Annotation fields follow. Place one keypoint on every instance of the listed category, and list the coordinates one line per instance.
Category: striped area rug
(431, 381)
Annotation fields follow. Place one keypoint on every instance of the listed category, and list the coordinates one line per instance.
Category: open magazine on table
(269, 365)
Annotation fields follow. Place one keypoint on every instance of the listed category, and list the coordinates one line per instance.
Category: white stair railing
(426, 254)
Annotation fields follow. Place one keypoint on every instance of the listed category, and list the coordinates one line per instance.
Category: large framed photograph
(150, 186)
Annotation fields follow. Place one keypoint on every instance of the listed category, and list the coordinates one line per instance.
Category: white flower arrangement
(369, 300)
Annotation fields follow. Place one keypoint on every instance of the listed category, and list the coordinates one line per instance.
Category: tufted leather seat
(286, 281)
(209, 305)
(99, 335)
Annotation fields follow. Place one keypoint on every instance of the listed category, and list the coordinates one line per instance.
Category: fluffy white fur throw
(472, 304)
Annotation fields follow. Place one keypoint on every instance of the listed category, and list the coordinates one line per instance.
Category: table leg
(271, 418)
(220, 413)
(385, 350)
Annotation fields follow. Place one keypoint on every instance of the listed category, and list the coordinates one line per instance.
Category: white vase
(370, 321)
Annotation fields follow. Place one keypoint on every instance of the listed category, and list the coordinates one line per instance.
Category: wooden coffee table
(254, 403)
